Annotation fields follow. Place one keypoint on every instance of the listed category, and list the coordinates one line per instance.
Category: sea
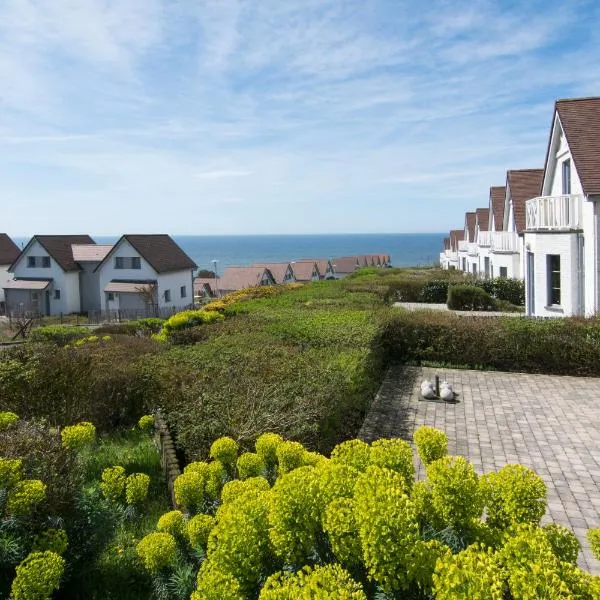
(405, 249)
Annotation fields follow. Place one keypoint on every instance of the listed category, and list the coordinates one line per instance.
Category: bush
(113, 483)
(24, 496)
(58, 334)
(507, 290)
(76, 437)
(146, 423)
(567, 346)
(38, 576)
(435, 292)
(51, 539)
(141, 327)
(7, 419)
(593, 536)
(469, 297)
(157, 551)
(136, 488)
(432, 444)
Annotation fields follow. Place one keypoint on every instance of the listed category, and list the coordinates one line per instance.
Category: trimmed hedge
(58, 334)
(469, 297)
(568, 346)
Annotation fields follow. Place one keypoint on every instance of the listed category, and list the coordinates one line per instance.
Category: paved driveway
(548, 423)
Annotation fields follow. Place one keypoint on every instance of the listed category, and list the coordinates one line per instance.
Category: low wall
(168, 456)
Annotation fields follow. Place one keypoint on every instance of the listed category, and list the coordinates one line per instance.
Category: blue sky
(312, 116)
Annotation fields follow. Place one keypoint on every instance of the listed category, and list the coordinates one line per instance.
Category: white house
(504, 245)
(46, 276)
(9, 252)
(468, 247)
(482, 237)
(521, 185)
(282, 271)
(145, 273)
(562, 221)
(239, 278)
(306, 270)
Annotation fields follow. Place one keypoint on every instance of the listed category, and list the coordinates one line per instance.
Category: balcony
(554, 213)
(484, 238)
(472, 249)
(504, 242)
(462, 245)
(451, 255)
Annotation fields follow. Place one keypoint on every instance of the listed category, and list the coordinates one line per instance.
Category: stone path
(548, 423)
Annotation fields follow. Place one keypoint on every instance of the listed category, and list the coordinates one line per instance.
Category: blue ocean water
(406, 249)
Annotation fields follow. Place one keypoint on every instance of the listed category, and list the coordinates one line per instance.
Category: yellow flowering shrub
(342, 530)
(51, 539)
(214, 584)
(456, 496)
(157, 551)
(216, 476)
(235, 488)
(136, 488)
(189, 489)
(75, 437)
(421, 562)
(564, 543)
(199, 467)
(7, 419)
(38, 576)
(355, 453)
(332, 481)
(146, 423)
(515, 494)
(394, 454)
(10, 472)
(472, 573)
(24, 496)
(239, 542)
(250, 464)
(266, 447)
(225, 450)
(593, 536)
(294, 515)
(113, 483)
(329, 581)
(431, 444)
(387, 525)
(198, 529)
(290, 456)
(171, 522)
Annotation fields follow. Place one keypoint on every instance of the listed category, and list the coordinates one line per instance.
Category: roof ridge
(577, 99)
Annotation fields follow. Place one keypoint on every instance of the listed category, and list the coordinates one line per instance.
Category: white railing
(451, 255)
(554, 212)
(504, 241)
(472, 249)
(462, 245)
(484, 238)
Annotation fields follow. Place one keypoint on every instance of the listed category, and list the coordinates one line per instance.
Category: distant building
(9, 252)
(282, 271)
(239, 278)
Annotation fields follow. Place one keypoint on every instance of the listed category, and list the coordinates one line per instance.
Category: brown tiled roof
(278, 269)
(344, 264)
(303, 269)
(446, 243)
(497, 198)
(90, 252)
(365, 260)
(470, 226)
(161, 251)
(482, 216)
(9, 251)
(456, 235)
(322, 264)
(523, 184)
(204, 283)
(580, 120)
(59, 247)
(238, 278)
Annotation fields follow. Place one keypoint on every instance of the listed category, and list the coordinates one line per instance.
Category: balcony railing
(462, 245)
(484, 238)
(504, 241)
(554, 213)
(472, 249)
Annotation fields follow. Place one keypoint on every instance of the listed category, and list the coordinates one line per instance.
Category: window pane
(118, 262)
(136, 263)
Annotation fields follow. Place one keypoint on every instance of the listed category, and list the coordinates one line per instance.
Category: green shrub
(113, 483)
(266, 447)
(189, 489)
(157, 551)
(198, 529)
(10, 472)
(146, 423)
(51, 539)
(431, 444)
(24, 496)
(508, 290)
(76, 437)
(565, 544)
(7, 419)
(58, 334)
(136, 488)
(435, 292)
(396, 455)
(38, 576)
(250, 465)
(171, 522)
(225, 450)
(593, 536)
(469, 297)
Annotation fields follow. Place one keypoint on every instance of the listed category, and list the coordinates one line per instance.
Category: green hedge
(469, 297)
(58, 334)
(554, 346)
(141, 327)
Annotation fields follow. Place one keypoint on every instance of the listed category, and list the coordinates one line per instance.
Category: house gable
(470, 227)
(9, 251)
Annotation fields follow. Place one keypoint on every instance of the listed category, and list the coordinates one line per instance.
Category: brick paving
(548, 423)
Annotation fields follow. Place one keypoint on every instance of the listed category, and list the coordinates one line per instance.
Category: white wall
(512, 262)
(166, 281)
(565, 245)
(4, 277)
(67, 283)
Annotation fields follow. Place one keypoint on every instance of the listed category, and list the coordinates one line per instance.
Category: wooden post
(437, 386)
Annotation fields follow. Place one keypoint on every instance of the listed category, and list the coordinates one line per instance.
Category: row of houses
(543, 225)
(276, 273)
(62, 274)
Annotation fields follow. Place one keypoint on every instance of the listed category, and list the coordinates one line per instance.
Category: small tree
(149, 294)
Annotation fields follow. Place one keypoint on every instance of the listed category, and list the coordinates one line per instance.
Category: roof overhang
(132, 287)
(27, 284)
